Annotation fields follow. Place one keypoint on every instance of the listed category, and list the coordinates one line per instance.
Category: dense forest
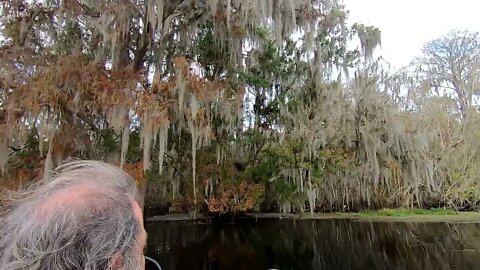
(228, 106)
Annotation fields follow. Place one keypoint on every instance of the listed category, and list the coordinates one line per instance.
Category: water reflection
(326, 244)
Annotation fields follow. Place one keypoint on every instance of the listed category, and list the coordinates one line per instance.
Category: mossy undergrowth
(405, 212)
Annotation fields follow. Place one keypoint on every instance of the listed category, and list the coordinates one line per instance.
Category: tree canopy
(451, 63)
(232, 105)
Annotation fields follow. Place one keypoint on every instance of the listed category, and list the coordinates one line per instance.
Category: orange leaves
(239, 197)
(163, 88)
(219, 205)
(136, 171)
(201, 87)
(76, 99)
(180, 63)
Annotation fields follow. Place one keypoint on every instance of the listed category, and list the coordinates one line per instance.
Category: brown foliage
(235, 198)
(136, 171)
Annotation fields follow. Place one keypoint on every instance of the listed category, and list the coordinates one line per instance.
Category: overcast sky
(407, 24)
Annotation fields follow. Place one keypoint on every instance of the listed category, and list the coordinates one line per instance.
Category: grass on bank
(407, 212)
(383, 215)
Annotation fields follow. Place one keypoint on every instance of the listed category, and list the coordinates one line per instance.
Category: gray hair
(85, 233)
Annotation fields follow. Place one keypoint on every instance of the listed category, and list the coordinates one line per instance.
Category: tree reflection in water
(322, 244)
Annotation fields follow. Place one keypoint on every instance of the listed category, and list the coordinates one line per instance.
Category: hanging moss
(262, 86)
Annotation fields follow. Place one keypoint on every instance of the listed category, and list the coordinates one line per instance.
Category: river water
(310, 244)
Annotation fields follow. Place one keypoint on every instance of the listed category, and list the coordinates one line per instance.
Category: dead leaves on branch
(136, 171)
(72, 84)
(235, 198)
(74, 96)
(75, 85)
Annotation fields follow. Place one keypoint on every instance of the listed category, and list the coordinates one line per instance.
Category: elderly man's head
(86, 217)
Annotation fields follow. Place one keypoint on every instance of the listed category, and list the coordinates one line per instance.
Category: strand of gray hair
(68, 239)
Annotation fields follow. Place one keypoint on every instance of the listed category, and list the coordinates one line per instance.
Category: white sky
(407, 24)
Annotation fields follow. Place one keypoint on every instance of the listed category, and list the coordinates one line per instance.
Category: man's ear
(117, 262)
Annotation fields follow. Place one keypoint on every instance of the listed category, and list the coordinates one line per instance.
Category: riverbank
(384, 215)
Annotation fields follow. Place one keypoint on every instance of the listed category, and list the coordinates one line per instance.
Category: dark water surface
(308, 244)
